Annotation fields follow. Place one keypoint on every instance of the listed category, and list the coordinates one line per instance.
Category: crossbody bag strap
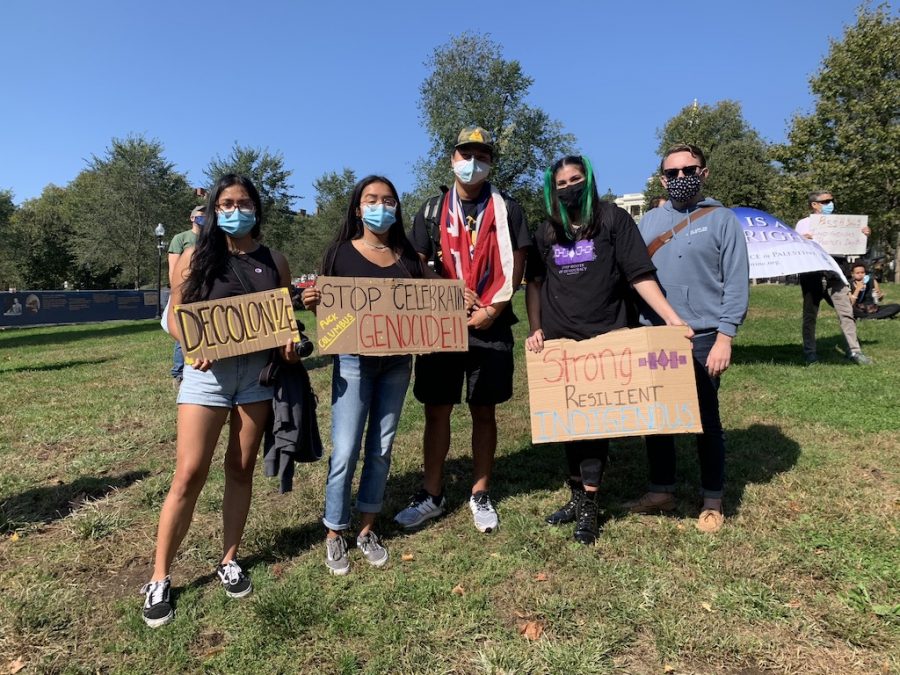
(667, 236)
(240, 275)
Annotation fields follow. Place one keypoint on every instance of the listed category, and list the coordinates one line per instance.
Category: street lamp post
(160, 232)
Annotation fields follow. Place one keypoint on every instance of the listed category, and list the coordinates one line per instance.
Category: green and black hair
(558, 213)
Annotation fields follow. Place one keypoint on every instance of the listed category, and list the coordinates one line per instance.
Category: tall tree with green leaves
(268, 173)
(850, 143)
(116, 203)
(740, 171)
(469, 82)
(9, 251)
(43, 240)
(333, 191)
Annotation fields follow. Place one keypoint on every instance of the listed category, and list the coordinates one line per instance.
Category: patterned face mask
(683, 188)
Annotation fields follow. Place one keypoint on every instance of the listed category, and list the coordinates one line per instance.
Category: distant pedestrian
(179, 244)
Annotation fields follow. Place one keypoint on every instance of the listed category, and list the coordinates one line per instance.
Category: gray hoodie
(703, 270)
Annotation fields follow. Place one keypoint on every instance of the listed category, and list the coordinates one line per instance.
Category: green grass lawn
(805, 577)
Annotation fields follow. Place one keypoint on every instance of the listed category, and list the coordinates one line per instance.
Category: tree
(9, 269)
(116, 203)
(740, 171)
(268, 174)
(333, 191)
(471, 83)
(850, 143)
(43, 241)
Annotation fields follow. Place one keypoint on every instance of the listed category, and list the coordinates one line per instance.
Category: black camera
(305, 347)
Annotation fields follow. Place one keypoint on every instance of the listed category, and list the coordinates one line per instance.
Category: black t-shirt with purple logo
(586, 282)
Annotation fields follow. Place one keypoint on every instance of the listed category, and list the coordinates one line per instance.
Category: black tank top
(258, 271)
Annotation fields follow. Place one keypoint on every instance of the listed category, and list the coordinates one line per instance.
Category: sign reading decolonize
(391, 316)
(217, 329)
(626, 383)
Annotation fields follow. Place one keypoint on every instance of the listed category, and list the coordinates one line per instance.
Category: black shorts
(488, 373)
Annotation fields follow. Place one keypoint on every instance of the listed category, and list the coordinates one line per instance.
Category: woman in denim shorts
(367, 392)
(227, 261)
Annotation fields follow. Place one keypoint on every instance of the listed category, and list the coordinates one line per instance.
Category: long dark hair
(352, 227)
(559, 223)
(210, 258)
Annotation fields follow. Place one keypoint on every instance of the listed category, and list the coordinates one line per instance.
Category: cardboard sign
(635, 382)
(839, 234)
(248, 323)
(391, 316)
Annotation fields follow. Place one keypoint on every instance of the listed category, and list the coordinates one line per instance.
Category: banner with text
(839, 233)
(31, 308)
(634, 382)
(391, 316)
(217, 329)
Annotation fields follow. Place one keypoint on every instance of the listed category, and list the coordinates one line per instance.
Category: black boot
(586, 530)
(569, 511)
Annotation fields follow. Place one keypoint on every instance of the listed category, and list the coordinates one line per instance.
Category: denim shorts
(229, 382)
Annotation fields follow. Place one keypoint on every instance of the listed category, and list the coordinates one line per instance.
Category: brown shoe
(649, 505)
(710, 521)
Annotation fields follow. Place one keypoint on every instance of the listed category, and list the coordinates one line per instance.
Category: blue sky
(335, 84)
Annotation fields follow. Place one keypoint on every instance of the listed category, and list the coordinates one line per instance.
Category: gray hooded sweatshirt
(703, 270)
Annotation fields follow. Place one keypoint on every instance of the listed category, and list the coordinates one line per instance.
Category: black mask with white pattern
(683, 188)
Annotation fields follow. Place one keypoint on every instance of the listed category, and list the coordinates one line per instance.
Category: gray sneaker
(371, 548)
(336, 558)
(483, 512)
(421, 507)
(860, 359)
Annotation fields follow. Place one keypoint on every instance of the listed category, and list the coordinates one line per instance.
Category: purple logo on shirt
(575, 253)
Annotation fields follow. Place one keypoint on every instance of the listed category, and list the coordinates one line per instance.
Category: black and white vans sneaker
(236, 583)
(158, 609)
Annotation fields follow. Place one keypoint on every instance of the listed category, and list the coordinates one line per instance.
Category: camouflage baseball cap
(475, 136)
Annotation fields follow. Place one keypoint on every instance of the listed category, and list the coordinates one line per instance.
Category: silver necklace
(377, 247)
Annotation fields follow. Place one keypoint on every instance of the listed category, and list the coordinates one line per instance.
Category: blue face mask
(378, 217)
(199, 221)
(237, 223)
(828, 208)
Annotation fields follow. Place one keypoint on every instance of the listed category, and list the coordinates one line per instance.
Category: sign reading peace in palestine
(217, 329)
(359, 315)
(635, 382)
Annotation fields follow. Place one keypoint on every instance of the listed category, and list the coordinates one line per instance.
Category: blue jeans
(710, 443)
(177, 361)
(363, 388)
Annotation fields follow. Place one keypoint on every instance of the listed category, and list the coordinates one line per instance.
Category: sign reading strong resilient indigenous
(391, 316)
(635, 382)
(217, 329)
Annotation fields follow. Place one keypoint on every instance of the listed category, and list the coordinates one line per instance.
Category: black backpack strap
(431, 215)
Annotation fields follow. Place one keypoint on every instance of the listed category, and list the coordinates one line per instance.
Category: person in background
(701, 261)
(586, 257)
(367, 392)
(827, 286)
(227, 261)
(473, 233)
(179, 244)
(866, 296)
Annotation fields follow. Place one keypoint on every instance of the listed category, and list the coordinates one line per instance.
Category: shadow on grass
(34, 337)
(831, 349)
(753, 455)
(47, 504)
(55, 366)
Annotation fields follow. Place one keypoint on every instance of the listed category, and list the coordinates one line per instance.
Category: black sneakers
(158, 609)
(586, 531)
(236, 583)
(568, 512)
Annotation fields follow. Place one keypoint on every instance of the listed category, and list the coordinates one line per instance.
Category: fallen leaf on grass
(532, 630)
(668, 669)
(540, 576)
(793, 603)
(212, 651)
(495, 555)
(679, 526)
(795, 507)
(406, 557)
(15, 666)
(277, 570)
(706, 606)
(458, 590)
(14, 536)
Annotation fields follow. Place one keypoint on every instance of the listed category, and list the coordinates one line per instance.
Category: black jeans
(578, 451)
(710, 444)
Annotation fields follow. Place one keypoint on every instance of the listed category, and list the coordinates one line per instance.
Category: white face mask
(471, 171)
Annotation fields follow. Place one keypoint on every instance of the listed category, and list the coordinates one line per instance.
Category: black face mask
(571, 195)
